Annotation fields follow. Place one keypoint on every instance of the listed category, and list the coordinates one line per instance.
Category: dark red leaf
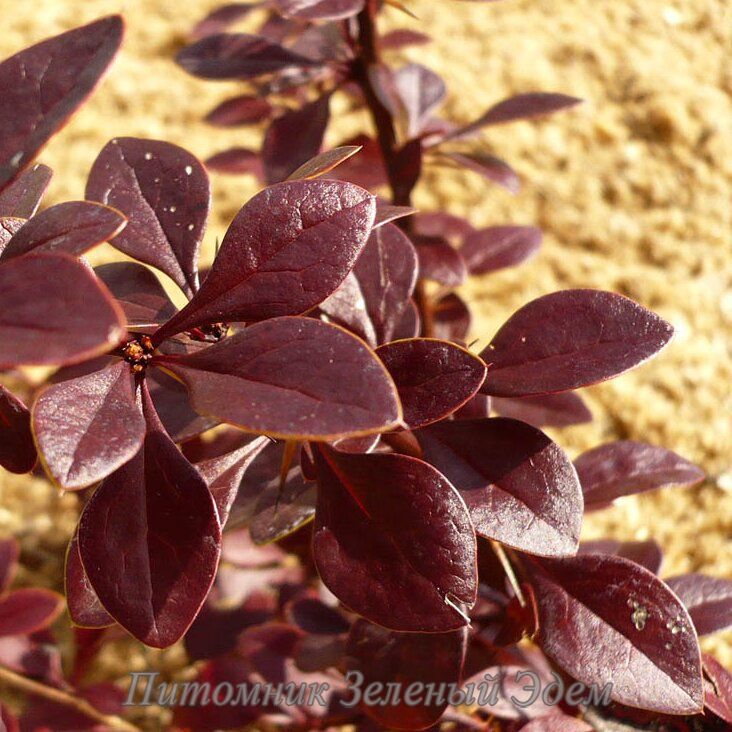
(433, 378)
(82, 602)
(520, 488)
(319, 652)
(22, 197)
(402, 37)
(224, 474)
(45, 84)
(624, 468)
(70, 317)
(268, 508)
(421, 92)
(294, 378)
(367, 168)
(646, 553)
(385, 656)
(410, 324)
(393, 541)
(719, 703)
(490, 167)
(294, 138)
(173, 405)
(441, 262)
(477, 407)
(237, 56)
(374, 297)
(28, 610)
(441, 224)
(386, 213)
(165, 194)
(451, 319)
(604, 619)
(287, 249)
(17, 449)
(139, 292)
(73, 227)
(242, 110)
(708, 600)
(497, 247)
(9, 552)
(313, 616)
(86, 428)
(535, 352)
(557, 722)
(237, 161)
(324, 163)
(149, 540)
(545, 410)
(319, 9)
(222, 18)
(521, 106)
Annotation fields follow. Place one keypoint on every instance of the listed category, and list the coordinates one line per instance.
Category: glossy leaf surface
(497, 247)
(433, 378)
(73, 228)
(324, 162)
(45, 84)
(385, 656)
(519, 486)
(625, 468)
(393, 541)
(237, 56)
(88, 427)
(22, 197)
(293, 139)
(17, 449)
(604, 619)
(149, 540)
(164, 192)
(295, 378)
(287, 249)
(545, 410)
(535, 352)
(708, 600)
(69, 319)
(373, 298)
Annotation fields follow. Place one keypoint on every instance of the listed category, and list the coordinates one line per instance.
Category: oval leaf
(497, 247)
(237, 161)
(384, 657)
(393, 541)
(441, 262)
(164, 192)
(324, 163)
(708, 600)
(73, 227)
(28, 610)
(535, 352)
(433, 378)
(88, 427)
(287, 249)
(606, 620)
(68, 319)
(625, 468)
(242, 110)
(150, 539)
(294, 378)
(17, 449)
(45, 84)
(519, 486)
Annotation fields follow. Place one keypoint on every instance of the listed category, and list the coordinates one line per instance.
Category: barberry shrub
(315, 400)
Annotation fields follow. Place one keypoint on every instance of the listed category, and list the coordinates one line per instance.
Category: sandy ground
(633, 191)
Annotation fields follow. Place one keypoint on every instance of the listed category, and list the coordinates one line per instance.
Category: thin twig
(508, 569)
(61, 697)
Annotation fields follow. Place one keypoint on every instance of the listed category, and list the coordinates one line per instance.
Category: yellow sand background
(633, 191)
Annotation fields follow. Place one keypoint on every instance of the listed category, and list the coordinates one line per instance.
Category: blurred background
(633, 191)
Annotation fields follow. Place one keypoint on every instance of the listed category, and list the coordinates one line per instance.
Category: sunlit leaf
(22, 197)
(708, 600)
